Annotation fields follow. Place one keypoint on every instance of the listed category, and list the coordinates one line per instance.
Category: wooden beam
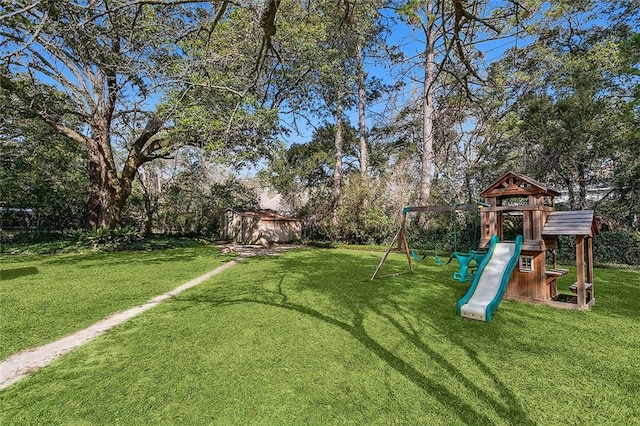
(512, 191)
(401, 239)
(536, 224)
(405, 243)
(580, 287)
(590, 265)
(527, 226)
(517, 208)
(386, 253)
(426, 209)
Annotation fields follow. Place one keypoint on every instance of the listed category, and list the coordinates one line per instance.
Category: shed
(259, 226)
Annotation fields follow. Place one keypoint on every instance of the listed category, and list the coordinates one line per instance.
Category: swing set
(465, 259)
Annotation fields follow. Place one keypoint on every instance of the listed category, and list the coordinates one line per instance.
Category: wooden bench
(558, 272)
(551, 276)
(588, 289)
(574, 287)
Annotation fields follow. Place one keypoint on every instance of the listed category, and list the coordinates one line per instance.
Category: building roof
(262, 214)
(578, 222)
(513, 184)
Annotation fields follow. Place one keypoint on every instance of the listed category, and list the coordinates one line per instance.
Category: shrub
(608, 247)
(106, 238)
(30, 236)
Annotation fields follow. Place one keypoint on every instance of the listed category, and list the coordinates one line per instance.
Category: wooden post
(499, 222)
(386, 253)
(405, 242)
(537, 224)
(580, 288)
(590, 265)
(527, 225)
(401, 239)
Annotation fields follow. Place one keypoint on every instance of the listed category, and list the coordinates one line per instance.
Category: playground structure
(518, 195)
(515, 196)
(400, 239)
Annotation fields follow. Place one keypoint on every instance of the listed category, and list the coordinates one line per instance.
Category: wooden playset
(515, 196)
(533, 280)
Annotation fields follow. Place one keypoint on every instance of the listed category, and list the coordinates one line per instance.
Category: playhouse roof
(578, 222)
(513, 184)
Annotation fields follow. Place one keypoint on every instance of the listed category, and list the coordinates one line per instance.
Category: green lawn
(43, 298)
(306, 338)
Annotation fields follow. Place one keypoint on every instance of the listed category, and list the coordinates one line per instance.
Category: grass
(47, 297)
(306, 338)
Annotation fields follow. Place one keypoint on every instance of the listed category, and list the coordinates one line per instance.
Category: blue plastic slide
(490, 283)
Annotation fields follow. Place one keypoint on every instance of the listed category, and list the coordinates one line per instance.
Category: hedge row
(608, 248)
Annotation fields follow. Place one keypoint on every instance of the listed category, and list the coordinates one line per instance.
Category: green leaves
(571, 113)
(141, 80)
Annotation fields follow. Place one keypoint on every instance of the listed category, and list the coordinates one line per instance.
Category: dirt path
(25, 362)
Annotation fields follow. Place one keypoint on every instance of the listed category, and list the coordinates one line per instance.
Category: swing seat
(464, 259)
(466, 271)
(442, 262)
(417, 258)
(478, 255)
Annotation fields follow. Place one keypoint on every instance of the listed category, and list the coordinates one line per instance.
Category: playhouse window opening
(512, 225)
(526, 263)
(515, 201)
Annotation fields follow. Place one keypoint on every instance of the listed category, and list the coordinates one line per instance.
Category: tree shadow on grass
(148, 258)
(358, 332)
(509, 407)
(10, 274)
(304, 272)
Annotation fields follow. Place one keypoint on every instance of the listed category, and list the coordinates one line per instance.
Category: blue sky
(411, 43)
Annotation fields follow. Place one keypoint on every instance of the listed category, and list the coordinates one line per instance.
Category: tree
(40, 171)
(327, 38)
(450, 33)
(571, 115)
(194, 200)
(128, 73)
(624, 206)
(367, 29)
(362, 118)
(304, 175)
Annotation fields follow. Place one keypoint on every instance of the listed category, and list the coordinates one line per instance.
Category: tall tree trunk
(571, 193)
(148, 209)
(108, 193)
(362, 122)
(337, 174)
(364, 152)
(427, 116)
(582, 185)
(146, 179)
(94, 206)
(102, 209)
